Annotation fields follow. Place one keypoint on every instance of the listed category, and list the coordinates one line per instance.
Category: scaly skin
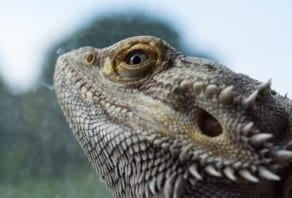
(156, 123)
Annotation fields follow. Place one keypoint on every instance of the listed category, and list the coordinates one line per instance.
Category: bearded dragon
(156, 123)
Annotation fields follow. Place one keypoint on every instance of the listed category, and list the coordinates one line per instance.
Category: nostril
(208, 125)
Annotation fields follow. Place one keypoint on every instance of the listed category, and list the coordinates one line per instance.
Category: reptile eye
(90, 58)
(134, 62)
(136, 57)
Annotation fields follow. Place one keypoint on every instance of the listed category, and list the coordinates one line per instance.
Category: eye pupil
(136, 57)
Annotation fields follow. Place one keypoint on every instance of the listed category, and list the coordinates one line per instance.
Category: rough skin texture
(156, 123)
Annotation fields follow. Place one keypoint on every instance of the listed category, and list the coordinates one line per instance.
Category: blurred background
(38, 154)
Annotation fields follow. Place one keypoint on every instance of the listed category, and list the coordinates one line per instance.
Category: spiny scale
(260, 138)
(229, 173)
(226, 96)
(267, 174)
(247, 175)
(211, 91)
(194, 172)
(211, 170)
(198, 87)
(265, 85)
(283, 155)
(250, 100)
(246, 129)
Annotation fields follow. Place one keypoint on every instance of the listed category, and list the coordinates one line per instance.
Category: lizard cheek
(208, 125)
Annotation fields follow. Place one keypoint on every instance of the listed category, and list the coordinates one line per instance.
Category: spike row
(225, 95)
(261, 140)
(232, 173)
(256, 139)
(277, 156)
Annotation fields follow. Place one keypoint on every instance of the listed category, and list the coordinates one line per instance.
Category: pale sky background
(251, 37)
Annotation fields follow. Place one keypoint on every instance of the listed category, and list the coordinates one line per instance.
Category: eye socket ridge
(136, 57)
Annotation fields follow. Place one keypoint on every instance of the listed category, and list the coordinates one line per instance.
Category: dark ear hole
(208, 125)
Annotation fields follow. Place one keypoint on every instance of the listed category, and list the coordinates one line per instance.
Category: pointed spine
(267, 174)
(246, 174)
(193, 169)
(283, 155)
(226, 96)
(212, 171)
(260, 138)
(229, 173)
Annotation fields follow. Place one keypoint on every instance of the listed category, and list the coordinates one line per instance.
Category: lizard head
(212, 120)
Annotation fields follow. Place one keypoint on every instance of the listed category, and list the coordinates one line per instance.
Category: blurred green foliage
(79, 186)
(39, 156)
